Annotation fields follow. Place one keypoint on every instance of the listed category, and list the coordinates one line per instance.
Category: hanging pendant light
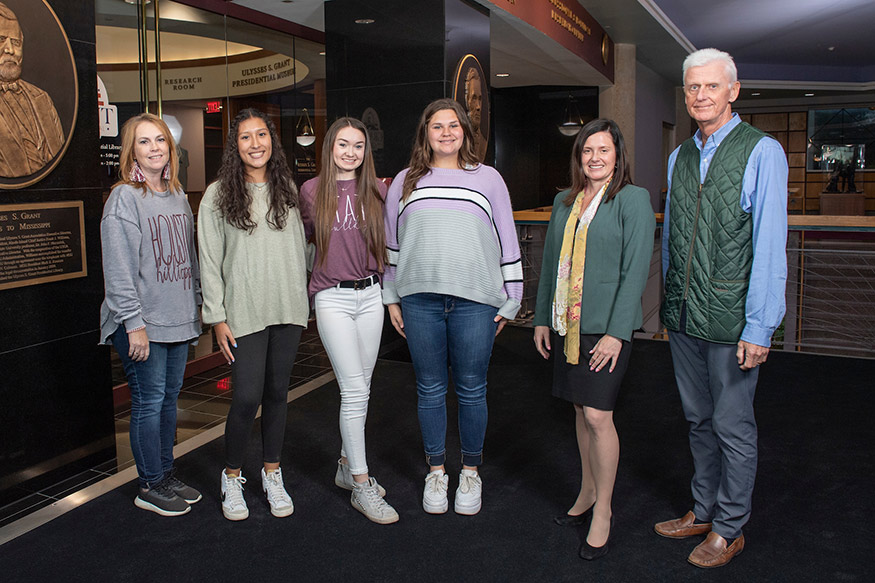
(304, 131)
(572, 122)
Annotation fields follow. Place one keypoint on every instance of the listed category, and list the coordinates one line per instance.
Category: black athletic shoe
(182, 490)
(162, 500)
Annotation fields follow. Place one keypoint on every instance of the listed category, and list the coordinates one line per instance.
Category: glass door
(197, 72)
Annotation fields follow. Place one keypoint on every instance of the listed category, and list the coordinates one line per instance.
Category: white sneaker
(366, 499)
(434, 497)
(233, 502)
(343, 478)
(279, 500)
(469, 493)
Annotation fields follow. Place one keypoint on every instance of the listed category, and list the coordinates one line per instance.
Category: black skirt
(578, 384)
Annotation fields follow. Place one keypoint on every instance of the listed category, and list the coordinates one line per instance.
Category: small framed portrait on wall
(470, 88)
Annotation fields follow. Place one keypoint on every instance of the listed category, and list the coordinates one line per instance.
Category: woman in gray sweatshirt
(150, 313)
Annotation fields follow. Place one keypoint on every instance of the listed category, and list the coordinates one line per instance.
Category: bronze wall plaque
(41, 242)
(39, 92)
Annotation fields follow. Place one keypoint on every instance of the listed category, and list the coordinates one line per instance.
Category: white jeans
(350, 323)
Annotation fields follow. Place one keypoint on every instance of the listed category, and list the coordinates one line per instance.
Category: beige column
(684, 127)
(617, 102)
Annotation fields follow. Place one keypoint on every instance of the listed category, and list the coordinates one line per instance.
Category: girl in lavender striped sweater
(455, 274)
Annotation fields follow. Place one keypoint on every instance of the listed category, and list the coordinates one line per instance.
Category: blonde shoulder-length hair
(126, 158)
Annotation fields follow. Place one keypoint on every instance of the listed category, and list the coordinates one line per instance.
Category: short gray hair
(704, 57)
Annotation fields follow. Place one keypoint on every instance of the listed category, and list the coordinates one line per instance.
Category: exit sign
(214, 106)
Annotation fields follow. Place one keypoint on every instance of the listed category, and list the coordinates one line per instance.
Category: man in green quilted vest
(725, 268)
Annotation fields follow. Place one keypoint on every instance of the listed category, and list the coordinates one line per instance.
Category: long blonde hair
(126, 158)
(368, 211)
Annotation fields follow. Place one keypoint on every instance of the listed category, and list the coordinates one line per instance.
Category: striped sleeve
(390, 218)
(511, 261)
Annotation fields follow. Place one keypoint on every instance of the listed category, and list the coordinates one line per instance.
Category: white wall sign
(257, 75)
(108, 114)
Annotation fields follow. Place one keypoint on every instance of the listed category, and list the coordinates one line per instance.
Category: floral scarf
(569, 274)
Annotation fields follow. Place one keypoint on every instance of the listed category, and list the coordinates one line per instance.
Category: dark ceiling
(792, 40)
(809, 45)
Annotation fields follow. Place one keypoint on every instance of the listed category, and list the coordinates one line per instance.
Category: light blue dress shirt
(764, 194)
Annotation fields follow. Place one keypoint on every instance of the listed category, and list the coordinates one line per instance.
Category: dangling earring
(136, 173)
(166, 173)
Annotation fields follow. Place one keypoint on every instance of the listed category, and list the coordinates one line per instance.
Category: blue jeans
(440, 328)
(154, 385)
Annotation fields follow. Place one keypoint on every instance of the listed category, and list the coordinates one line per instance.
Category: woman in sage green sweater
(597, 256)
(254, 281)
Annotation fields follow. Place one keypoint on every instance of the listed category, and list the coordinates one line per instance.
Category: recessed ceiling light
(364, 21)
(830, 48)
(502, 74)
(809, 95)
(755, 94)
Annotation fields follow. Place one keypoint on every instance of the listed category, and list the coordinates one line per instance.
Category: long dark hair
(422, 154)
(622, 175)
(234, 200)
(369, 211)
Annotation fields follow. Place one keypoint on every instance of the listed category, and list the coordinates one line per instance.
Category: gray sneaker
(343, 479)
(182, 490)
(366, 499)
(161, 499)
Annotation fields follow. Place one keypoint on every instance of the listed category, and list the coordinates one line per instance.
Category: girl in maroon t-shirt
(342, 210)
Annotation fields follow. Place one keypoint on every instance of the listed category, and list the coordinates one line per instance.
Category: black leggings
(260, 376)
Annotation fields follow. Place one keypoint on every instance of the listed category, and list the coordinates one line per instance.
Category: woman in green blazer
(597, 255)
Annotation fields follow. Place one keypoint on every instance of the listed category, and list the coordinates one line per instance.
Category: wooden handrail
(795, 222)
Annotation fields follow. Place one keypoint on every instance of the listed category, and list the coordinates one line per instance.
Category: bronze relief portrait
(470, 88)
(38, 92)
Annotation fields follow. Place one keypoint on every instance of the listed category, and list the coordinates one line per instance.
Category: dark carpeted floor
(812, 517)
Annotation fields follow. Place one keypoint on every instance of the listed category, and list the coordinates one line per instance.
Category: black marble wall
(533, 157)
(398, 64)
(56, 414)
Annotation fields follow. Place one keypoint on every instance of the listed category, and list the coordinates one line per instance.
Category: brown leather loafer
(714, 552)
(682, 527)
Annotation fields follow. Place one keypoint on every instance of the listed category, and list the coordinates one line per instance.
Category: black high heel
(590, 553)
(574, 519)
